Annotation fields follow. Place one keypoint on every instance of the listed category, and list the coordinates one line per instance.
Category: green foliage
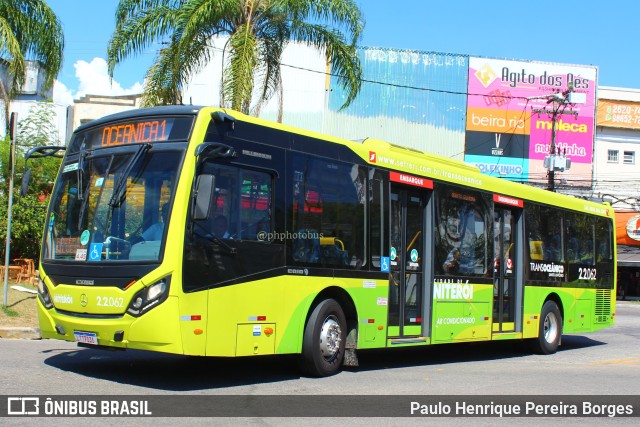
(36, 129)
(258, 31)
(27, 223)
(8, 312)
(28, 212)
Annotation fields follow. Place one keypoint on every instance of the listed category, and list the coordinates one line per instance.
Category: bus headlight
(44, 295)
(149, 297)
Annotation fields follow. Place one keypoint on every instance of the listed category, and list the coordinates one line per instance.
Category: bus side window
(536, 252)
(255, 205)
(377, 217)
(579, 235)
(603, 239)
(328, 213)
(461, 230)
(551, 229)
(306, 246)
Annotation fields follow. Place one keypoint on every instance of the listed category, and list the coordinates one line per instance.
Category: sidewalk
(20, 319)
(629, 298)
(8, 332)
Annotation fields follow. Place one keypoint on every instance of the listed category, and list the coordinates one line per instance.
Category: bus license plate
(86, 337)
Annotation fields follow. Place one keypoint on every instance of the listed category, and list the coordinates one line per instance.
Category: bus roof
(144, 112)
(396, 155)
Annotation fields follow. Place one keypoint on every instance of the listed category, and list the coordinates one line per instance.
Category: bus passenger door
(504, 269)
(407, 259)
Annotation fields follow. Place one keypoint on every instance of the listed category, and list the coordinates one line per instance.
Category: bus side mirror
(24, 189)
(205, 186)
(38, 153)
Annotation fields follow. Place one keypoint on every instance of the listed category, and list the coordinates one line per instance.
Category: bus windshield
(112, 206)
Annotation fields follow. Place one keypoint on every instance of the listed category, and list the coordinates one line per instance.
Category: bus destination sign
(136, 130)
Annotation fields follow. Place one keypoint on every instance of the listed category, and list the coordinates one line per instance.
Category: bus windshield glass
(112, 205)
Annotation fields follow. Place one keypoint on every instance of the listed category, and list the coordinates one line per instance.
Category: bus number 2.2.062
(587, 274)
(110, 301)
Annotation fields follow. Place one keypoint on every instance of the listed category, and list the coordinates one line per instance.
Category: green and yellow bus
(206, 232)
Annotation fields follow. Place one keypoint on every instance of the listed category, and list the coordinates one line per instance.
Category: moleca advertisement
(509, 118)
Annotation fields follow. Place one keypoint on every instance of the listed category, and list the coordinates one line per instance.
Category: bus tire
(323, 344)
(549, 330)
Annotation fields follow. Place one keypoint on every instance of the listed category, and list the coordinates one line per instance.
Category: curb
(20, 333)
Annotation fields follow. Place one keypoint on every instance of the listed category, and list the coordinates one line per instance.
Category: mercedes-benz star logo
(84, 300)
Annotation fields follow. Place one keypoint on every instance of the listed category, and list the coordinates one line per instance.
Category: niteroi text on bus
(136, 132)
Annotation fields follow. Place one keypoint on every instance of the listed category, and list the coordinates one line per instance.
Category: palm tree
(29, 30)
(258, 32)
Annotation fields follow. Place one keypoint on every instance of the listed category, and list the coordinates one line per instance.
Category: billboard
(628, 228)
(411, 98)
(506, 136)
(618, 114)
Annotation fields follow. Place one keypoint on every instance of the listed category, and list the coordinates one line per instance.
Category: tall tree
(36, 129)
(258, 32)
(29, 30)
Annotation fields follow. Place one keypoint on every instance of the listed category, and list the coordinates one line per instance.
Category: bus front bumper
(156, 330)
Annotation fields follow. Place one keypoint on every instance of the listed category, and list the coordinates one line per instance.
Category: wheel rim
(330, 338)
(550, 328)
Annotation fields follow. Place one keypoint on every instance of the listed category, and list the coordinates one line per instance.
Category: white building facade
(617, 146)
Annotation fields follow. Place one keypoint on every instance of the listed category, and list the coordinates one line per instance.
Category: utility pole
(555, 162)
(12, 153)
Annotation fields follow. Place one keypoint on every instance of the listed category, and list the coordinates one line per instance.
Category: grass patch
(9, 312)
(20, 309)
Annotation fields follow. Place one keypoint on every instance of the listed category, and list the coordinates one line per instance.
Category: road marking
(625, 361)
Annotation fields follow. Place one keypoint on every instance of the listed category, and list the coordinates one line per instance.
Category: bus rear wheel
(324, 339)
(550, 329)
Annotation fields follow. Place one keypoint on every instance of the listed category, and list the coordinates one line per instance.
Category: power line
(403, 86)
(511, 131)
(396, 85)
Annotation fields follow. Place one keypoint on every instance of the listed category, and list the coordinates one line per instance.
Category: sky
(587, 32)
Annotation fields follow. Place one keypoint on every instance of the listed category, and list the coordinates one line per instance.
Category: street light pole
(553, 162)
(12, 153)
(551, 183)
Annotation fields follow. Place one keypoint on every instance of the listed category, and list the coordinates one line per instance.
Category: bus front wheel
(550, 329)
(324, 339)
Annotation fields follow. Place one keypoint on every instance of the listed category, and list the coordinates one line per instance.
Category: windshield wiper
(85, 200)
(118, 194)
(80, 189)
